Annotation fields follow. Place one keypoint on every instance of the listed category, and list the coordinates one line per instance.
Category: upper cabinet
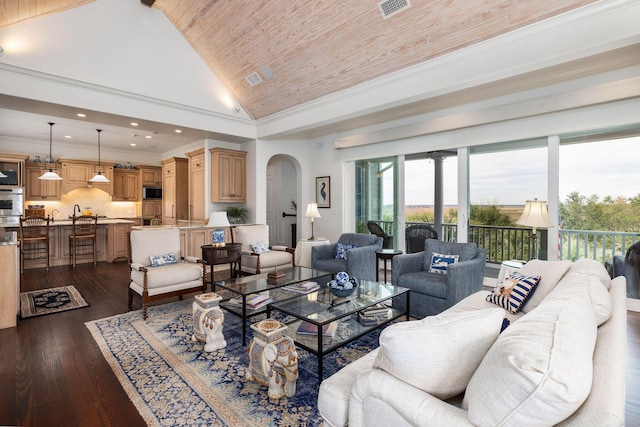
(125, 185)
(197, 206)
(228, 175)
(77, 173)
(151, 176)
(36, 188)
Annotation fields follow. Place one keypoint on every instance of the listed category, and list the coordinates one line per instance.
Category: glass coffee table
(320, 308)
(237, 291)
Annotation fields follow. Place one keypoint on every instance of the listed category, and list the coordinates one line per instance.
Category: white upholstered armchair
(256, 256)
(157, 268)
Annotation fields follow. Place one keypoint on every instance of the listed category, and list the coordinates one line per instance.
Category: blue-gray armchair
(359, 262)
(431, 293)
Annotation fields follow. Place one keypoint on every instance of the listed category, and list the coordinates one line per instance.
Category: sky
(605, 168)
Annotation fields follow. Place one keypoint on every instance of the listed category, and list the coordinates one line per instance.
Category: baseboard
(633, 305)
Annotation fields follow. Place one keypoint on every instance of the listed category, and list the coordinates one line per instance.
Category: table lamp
(312, 212)
(535, 215)
(218, 219)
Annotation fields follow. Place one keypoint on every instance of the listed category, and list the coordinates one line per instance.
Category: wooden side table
(215, 255)
(385, 255)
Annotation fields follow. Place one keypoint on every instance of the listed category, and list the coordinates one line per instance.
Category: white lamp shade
(312, 211)
(50, 176)
(535, 215)
(218, 219)
(2, 175)
(99, 178)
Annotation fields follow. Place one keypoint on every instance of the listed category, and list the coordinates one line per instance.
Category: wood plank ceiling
(317, 47)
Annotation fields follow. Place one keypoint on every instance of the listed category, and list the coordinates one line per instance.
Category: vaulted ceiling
(304, 49)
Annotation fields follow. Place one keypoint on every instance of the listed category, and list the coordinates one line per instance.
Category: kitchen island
(111, 244)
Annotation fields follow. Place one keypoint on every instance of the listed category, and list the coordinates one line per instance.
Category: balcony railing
(505, 243)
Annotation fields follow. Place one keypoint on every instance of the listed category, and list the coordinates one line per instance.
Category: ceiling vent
(391, 7)
(253, 79)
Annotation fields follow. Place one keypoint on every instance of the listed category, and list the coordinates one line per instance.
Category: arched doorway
(282, 191)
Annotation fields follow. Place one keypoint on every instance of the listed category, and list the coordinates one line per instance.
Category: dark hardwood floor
(53, 374)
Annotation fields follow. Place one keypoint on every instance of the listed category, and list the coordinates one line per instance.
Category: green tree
(488, 215)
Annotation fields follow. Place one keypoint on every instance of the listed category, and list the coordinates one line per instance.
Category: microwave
(151, 193)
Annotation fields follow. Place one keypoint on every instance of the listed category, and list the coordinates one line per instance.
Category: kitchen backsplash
(98, 200)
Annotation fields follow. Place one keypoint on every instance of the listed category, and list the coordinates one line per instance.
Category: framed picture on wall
(323, 191)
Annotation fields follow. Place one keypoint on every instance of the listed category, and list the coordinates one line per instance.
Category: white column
(438, 195)
(553, 196)
(463, 194)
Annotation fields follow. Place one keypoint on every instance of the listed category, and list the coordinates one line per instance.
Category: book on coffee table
(302, 288)
(328, 330)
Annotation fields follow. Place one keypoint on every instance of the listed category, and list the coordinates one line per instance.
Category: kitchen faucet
(53, 217)
(74, 209)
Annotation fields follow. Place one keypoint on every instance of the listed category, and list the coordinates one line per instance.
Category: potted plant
(237, 214)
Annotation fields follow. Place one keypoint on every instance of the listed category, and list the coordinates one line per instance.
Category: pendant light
(50, 175)
(98, 176)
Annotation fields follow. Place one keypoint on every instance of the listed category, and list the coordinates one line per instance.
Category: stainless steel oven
(11, 206)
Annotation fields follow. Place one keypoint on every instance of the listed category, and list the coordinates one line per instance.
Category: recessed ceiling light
(148, 136)
(133, 145)
(81, 115)
(178, 130)
(68, 136)
(133, 124)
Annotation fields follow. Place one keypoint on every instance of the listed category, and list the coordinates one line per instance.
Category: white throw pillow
(438, 354)
(550, 273)
(591, 267)
(540, 369)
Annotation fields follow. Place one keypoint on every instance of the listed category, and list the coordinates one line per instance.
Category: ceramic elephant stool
(273, 359)
(208, 321)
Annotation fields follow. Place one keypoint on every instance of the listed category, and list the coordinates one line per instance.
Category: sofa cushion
(268, 260)
(550, 273)
(539, 370)
(580, 285)
(169, 274)
(512, 293)
(478, 301)
(591, 267)
(438, 354)
(425, 283)
(331, 265)
(440, 262)
(335, 391)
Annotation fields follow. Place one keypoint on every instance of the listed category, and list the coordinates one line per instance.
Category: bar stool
(83, 233)
(34, 231)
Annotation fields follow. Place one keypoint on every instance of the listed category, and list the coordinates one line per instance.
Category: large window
(376, 194)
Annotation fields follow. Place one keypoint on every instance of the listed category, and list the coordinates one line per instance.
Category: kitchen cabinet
(40, 189)
(77, 173)
(175, 190)
(125, 185)
(151, 209)
(9, 280)
(228, 175)
(198, 211)
(196, 238)
(117, 240)
(151, 176)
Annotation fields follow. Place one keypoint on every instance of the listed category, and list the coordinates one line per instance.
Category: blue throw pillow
(514, 291)
(440, 262)
(260, 248)
(341, 250)
(157, 261)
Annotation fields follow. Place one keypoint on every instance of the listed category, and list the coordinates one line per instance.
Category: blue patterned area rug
(53, 300)
(173, 381)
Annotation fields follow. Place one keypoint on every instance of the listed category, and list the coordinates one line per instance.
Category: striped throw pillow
(513, 292)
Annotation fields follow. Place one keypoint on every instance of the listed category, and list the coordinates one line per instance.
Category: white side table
(303, 250)
(508, 267)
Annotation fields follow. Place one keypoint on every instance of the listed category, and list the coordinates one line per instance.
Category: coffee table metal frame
(322, 307)
(249, 285)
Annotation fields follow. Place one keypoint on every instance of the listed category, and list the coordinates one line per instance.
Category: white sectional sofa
(560, 361)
